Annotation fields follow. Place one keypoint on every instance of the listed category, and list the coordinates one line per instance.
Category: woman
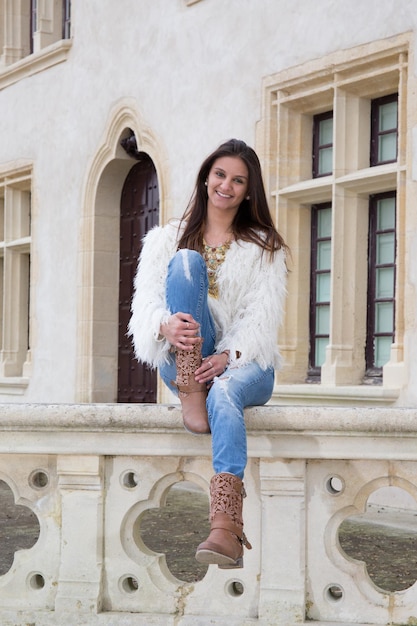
(208, 301)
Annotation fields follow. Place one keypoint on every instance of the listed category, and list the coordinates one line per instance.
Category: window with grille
(328, 125)
(33, 23)
(384, 130)
(66, 19)
(321, 232)
(323, 144)
(381, 282)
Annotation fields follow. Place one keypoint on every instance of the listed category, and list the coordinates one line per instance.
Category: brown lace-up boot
(192, 395)
(224, 545)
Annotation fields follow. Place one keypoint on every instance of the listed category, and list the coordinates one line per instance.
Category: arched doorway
(139, 212)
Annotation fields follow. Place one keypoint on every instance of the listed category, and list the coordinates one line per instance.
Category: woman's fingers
(186, 330)
(211, 367)
(181, 330)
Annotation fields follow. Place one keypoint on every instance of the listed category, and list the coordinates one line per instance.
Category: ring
(211, 365)
(188, 325)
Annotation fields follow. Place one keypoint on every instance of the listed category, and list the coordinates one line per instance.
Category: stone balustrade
(88, 472)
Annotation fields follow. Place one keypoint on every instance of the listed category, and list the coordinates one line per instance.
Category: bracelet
(227, 352)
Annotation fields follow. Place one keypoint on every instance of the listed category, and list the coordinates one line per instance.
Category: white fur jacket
(247, 313)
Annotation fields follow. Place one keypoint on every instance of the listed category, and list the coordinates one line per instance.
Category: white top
(247, 312)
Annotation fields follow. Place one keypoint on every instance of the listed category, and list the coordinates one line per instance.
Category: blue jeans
(232, 391)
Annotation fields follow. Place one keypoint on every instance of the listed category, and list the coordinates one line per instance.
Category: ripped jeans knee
(186, 291)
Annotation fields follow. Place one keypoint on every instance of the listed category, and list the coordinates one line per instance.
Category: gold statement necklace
(214, 256)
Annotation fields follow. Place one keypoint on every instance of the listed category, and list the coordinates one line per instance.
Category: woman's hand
(211, 366)
(181, 330)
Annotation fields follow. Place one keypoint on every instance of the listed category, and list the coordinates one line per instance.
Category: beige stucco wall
(185, 78)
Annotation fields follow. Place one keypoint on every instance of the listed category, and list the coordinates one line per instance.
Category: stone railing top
(167, 417)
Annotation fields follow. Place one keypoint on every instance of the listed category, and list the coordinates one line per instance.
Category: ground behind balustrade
(389, 551)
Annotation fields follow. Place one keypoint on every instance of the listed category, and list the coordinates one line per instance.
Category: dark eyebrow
(236, 175)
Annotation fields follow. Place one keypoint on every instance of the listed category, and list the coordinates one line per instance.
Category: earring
(205, 183)
(247, 197)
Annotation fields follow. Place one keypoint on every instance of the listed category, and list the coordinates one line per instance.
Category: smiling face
(227, 184)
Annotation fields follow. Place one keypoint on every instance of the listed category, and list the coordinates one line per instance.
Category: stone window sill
(13, 386)
(34, 63)
(354, 395)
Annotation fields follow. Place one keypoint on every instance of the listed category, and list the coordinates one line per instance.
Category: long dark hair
(252, 222)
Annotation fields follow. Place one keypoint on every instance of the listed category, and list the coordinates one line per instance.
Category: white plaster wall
(195, 74)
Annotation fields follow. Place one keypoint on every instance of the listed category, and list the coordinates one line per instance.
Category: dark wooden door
(139, 213)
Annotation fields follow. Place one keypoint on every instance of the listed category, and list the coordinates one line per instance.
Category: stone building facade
(316, 88)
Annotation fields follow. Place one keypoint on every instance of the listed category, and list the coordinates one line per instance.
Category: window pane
(323, 320)
(326, 132)
(387, 147)
(321, 345)
(382, 350)
(320, 280)
(384, 282)
(66, 30)
(384, 129)
(385, 248)
(326, 161)
(323, 288)
(381, 280)
(1, 219)
(324, 249)
(386, 214)
(384, 317)
(322, 144)
(324, 223)
(388, 116)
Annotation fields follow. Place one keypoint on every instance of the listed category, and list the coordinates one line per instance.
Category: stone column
(282, 590)
(80, 574)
